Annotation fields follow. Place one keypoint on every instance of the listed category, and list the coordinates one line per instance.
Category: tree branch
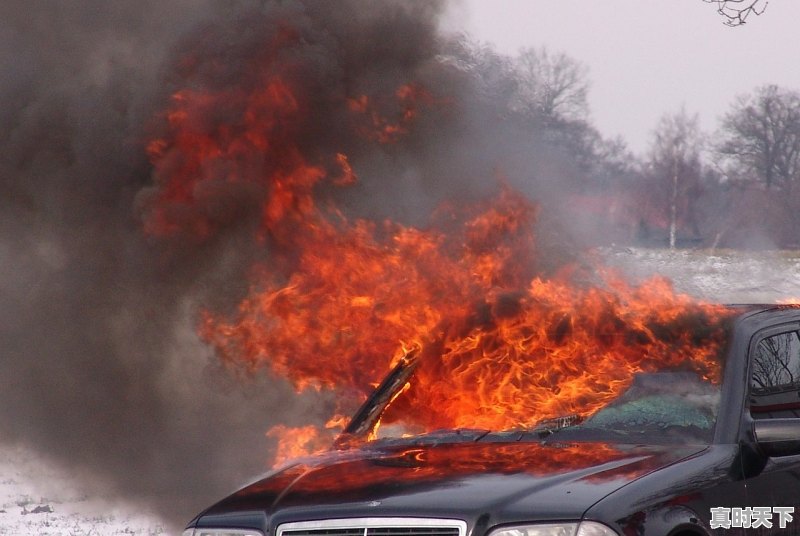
(736, 12)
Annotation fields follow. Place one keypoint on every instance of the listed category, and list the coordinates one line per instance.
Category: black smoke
(101, 369)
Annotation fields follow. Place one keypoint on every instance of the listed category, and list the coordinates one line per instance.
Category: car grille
(375, 526)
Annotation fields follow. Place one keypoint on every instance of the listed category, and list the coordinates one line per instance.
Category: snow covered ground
(38, 499)
(722, 276)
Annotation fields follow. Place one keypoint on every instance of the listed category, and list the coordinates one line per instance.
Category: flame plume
(342, 299)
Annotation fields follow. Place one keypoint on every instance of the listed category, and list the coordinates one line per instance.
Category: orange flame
(296, 442)
(343, 300)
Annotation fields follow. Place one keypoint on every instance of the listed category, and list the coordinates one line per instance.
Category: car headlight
(221, 532)
(584, 528)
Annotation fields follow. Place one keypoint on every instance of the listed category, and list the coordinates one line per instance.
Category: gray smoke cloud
(101, 369)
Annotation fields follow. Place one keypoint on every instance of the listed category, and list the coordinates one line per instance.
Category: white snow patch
(38, 499)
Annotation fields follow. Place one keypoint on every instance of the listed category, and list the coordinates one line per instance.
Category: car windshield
(656, 406)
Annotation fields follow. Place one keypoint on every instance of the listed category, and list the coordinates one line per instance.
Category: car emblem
(374, 503)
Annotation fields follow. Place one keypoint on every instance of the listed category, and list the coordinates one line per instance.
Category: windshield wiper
(548, 427)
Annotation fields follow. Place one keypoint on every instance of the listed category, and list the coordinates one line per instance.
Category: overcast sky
(648, 57)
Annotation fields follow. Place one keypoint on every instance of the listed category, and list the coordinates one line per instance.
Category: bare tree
(760, 138)
(776, 361)
(552, 85)
(735, 12)
(675, 170)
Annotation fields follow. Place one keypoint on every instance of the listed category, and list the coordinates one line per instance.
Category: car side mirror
(778, 437)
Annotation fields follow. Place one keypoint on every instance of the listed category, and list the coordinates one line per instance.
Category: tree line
(738, 186)
(735, 187)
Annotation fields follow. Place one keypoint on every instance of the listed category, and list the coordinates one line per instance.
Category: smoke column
(101, 369)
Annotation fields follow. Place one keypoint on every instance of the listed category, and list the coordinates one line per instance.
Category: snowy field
(38, 499)
(721, 276)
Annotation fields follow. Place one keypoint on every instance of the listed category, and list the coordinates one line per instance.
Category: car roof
(754, 310)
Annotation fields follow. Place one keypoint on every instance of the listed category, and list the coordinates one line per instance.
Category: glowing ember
(343, 300)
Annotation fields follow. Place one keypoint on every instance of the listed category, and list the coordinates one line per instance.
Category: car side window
(775, 378)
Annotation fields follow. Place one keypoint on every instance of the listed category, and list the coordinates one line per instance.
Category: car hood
(514, 481)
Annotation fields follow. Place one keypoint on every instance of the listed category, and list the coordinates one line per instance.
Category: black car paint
(636, 490)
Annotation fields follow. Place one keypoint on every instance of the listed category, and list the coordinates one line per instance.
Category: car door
(774, 393)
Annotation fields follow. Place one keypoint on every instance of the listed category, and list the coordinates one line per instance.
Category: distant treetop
(735, 12)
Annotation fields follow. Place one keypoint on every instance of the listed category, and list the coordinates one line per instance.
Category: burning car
(671, 449)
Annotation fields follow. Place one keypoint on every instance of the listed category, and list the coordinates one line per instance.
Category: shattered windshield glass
(668, 406)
